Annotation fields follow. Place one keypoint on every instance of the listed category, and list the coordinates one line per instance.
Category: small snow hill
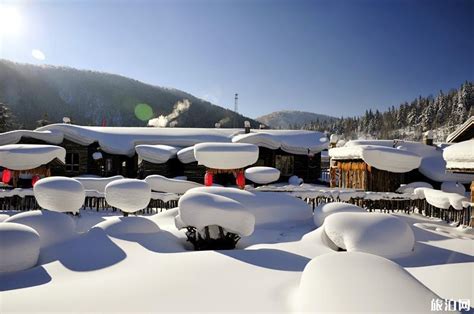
(291, 119)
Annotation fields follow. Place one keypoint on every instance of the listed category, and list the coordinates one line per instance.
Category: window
(72, 162)
(108, 165)
(285, 164)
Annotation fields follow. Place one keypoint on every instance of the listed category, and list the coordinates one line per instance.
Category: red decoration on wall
(208, 178)
(240, 180)
(6, 176)
(34, 180)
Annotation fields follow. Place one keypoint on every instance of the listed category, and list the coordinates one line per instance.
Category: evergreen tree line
(441, 114)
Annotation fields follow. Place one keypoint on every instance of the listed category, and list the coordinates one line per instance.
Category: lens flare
(143, 112)
(38, 54)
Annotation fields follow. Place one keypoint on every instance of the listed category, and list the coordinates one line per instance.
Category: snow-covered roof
(460, 156)
(158, 154)
(380, 157)
(433, 166)
(29, 156)
(122, 140)
(461, 129)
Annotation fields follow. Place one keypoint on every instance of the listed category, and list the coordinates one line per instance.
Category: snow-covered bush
(269, 208)
(213, 221)
(326, 209)
(52, 227)
(362, 283)
(262, 175)
(128, 195)
(453, 187)
(163, 184)
(410, 187)
(19, 247)
(59, 194)
(375, 233)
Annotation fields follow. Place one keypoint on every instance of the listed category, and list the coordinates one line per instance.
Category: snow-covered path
(160, 272)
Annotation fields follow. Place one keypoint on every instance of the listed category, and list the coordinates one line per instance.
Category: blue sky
(331, 57)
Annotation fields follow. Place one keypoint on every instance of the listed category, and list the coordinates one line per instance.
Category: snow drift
(324, 210)
(368, 283)
(19, 247)
(375, 233)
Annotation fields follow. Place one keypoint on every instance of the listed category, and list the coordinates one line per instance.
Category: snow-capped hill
(291, 119)
(93, 98)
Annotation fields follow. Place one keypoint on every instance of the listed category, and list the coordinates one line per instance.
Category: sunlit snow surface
(144, 263)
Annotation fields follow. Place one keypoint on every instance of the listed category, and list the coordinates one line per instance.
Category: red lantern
(240, 180)
(6, 176)
(34, 180)
(208, 178)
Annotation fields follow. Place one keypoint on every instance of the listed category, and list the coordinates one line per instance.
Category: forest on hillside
(442, 114)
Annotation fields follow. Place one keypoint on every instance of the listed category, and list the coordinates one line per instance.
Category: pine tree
(7, 120)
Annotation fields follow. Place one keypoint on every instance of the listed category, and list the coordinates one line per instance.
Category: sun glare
(10, 20)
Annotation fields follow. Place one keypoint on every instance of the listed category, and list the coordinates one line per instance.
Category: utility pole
(236, 108)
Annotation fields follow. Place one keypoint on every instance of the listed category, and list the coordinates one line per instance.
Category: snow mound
(295, 180)
(380, 157)
(443, 200)
(4, 217)
(410, 187)
(324, 210)
(226, 155)
(453, 187)
(158, 154)
(96, 183)
(460, 155)
(269, 208)
(129, 195)
(19, 247)
(117, 226)
(59, 194)
(201, 209)
(368, 283)
(13, 137)
(29, 156)
(186, 155)
(262, 175)
(52, 227)
(163, 184)
(376, 233)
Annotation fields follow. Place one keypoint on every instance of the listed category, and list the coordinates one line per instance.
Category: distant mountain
(91, 98)
(292, 119)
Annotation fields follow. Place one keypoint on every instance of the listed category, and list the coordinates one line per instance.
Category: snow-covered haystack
(295, 180)
(410, 187)
(326, 209)
(453, 187)
(380, 157)
(29, 156)
(163, 184)
(19, 247)
(362, 283)
(96, 183)
(59, 194)
(269, 208)
(460, 155)
(52, 227)
(213, 221)
(376, 233)
(118, 226)
(442, 199)
(226, 155)
(262, 175)
(128, 195)
(158, 154)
